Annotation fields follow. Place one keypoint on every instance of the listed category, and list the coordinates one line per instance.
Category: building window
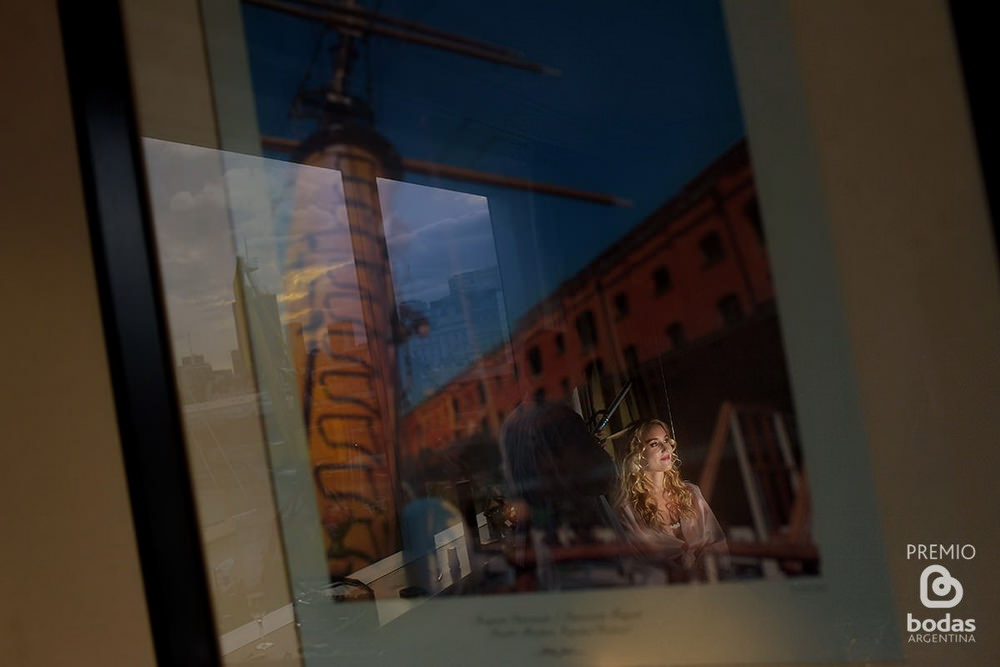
(711, 248)
(535, 360)
(540, 395)
(751, 210)
(598, 386)
(730, 309)
(594, 370)
(454, 406)
(621, 305)
(586, 328)
(484, 425)
(675, 332)
(662, 282)
(560, 343)
(631, 359)
(482, 392)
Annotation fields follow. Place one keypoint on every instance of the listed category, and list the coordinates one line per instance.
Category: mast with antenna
(347, 343)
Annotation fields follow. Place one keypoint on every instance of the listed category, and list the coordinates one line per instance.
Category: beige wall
(170, 71)
(919, 276)
(184, 81)
(70, 586)
(873, 94)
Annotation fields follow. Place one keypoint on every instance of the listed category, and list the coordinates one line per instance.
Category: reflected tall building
(194, 375)
(461, 326)
(199, 382)
(259, 307)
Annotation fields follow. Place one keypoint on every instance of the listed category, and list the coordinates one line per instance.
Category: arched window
(586, 329)
(621, 305)
(535, 360)
(662, 282)
(711, 249)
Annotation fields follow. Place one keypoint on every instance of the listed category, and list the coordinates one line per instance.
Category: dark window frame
(663, 282)
(586, 329)
(622, 306)
(133, 313)
(533, 357)
(713, 251)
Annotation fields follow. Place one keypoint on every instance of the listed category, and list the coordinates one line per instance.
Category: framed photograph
(523, 333)
(516, 343)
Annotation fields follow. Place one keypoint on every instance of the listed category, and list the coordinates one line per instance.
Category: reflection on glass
(445, 267)
(346, 345)
(418, 446)
(196, 198)
(269, 267)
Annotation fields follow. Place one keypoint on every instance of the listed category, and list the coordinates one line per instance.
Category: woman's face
(657, 449)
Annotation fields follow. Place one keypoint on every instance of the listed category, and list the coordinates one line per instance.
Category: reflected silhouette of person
(557, 476)
(663, 513)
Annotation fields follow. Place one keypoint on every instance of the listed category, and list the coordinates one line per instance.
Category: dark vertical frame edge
(974, 39)
(146, 402)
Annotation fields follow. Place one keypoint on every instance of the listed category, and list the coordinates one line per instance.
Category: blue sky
(645, 100)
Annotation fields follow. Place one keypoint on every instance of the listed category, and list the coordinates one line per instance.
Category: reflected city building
(460, 327)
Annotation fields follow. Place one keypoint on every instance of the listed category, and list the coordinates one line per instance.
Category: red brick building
(683, 303)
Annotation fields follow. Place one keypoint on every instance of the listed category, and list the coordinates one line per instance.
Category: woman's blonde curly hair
(634, 489)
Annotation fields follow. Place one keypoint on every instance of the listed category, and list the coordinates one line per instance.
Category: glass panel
(205, 204)
(269, 267)
(477, 326)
